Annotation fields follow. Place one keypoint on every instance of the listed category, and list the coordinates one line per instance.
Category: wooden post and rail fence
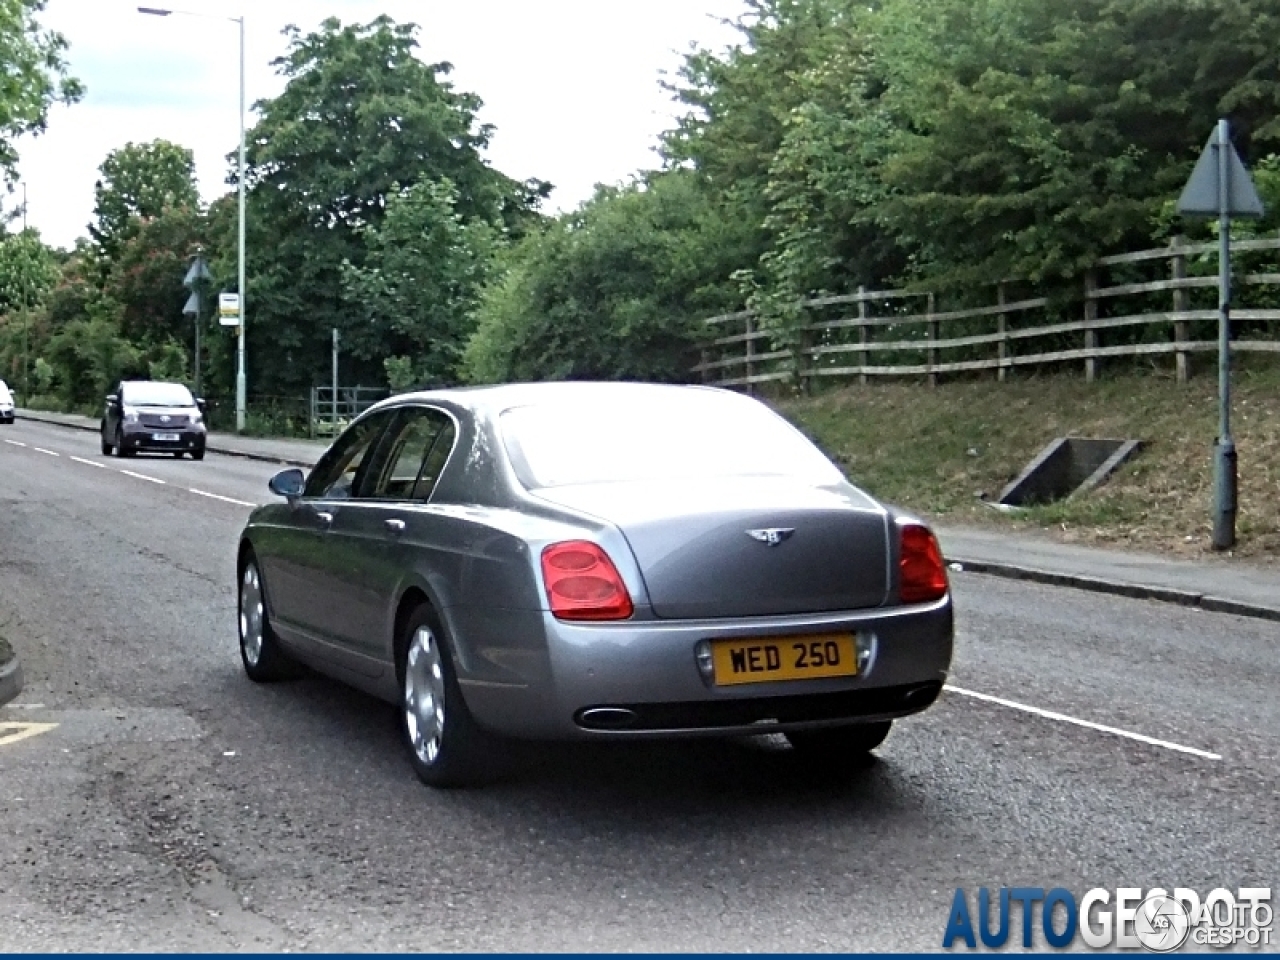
(916, 339)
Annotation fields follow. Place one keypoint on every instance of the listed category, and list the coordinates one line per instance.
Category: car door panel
(310, 581)
(381, 524)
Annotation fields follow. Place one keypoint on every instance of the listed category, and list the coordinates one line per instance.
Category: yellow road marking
(13, 732)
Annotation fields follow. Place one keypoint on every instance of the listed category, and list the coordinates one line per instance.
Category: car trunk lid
(747, 546)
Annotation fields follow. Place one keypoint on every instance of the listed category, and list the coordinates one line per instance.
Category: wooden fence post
(863, 355)
(1002, 328)
(799, 356)
(1090, 317)
(933, 336)
(751, 353)
(1181, 304)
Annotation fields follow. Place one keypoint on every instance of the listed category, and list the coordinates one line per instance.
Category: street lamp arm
(165, 11)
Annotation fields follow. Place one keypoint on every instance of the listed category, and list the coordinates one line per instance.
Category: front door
(311, 582)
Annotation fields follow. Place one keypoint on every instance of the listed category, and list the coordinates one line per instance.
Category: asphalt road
(176, 805)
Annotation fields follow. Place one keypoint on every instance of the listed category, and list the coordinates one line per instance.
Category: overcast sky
(572, 86)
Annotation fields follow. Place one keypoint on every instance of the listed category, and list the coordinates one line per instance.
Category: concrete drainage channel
(10, 673)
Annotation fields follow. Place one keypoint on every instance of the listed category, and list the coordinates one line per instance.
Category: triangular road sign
(1201, 198)
(199, 270)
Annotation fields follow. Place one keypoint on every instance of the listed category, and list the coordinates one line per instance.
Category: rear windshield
(692, 434)
(158, 395)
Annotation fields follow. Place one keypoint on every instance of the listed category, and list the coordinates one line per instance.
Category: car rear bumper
(641, 678)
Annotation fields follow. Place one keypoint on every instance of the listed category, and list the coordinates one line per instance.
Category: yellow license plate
(767, 659)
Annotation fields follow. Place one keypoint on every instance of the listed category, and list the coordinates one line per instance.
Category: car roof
(493, 400)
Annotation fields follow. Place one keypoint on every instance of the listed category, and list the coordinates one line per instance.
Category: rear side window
(407, 461)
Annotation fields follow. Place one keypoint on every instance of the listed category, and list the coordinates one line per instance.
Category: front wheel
(197, 454)
(264, 660)
(106, 444)
(834, 745)
(446, 746)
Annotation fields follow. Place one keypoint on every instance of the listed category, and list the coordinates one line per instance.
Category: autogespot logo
(1155, 920)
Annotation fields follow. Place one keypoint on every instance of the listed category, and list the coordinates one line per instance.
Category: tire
(106, 447)
(837, 745)
(177, 454)
(119, 444)
(197, 454)
(446, 747)
(263, 658)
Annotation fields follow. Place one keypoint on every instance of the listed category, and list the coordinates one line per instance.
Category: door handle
(394, 525)
(324, 518)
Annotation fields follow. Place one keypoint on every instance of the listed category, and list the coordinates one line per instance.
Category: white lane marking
(141, 476)
(43, 450)
(16, 443)
(218, 496)
(92, 463)
(12, 732)
(1089, 724)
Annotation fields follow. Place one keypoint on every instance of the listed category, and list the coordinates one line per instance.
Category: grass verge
(933, 450)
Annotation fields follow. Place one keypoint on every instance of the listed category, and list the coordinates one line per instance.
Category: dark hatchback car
(154, 416)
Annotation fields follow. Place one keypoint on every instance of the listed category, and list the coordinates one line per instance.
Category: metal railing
(330, 412)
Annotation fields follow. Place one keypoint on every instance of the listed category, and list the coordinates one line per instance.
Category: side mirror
(202, 406)
(111, 399)
(288, 483)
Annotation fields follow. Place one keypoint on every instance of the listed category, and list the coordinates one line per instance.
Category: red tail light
(583, 584)
(922, 576)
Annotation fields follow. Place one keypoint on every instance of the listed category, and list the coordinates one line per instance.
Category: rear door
(373, 525)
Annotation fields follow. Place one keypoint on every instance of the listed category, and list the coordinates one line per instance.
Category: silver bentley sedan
(594, 561)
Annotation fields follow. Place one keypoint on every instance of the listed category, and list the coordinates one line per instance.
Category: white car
(6, 403)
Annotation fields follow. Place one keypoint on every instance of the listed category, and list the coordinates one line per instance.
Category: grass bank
(933, 450)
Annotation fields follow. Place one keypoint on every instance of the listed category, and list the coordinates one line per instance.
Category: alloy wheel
(424, 695)
(251, 615)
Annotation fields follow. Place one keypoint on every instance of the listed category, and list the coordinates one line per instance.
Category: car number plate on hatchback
(162, 437)
(766, 659)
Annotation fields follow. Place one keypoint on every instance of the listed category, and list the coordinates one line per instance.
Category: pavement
(1223, 586)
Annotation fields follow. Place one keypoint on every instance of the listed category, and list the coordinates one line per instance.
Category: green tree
(29, 271)
(613, 290)
(140, 182)
(420, 284)
(35, 77)
(359, 115)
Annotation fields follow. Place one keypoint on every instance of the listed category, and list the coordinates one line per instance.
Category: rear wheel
(839, 744)
(446, 746)
(264, 660)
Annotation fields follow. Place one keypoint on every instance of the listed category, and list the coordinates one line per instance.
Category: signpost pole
(335, 382)
(1221, 187)
(1224, 513)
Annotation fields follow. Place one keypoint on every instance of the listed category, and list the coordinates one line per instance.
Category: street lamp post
(26, 315)
(241, 377)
